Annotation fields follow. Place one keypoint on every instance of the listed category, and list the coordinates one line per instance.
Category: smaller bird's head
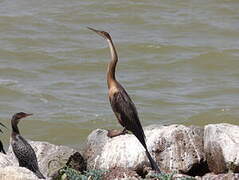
(16, 117)
(101, 33)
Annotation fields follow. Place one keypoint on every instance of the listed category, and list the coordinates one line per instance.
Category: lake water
(179, 61)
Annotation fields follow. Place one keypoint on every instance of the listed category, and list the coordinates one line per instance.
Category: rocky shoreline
(202, 153)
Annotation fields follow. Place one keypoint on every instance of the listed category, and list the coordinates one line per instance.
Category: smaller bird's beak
(28, 115)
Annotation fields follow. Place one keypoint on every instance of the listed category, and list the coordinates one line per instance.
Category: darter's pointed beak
(101, 33)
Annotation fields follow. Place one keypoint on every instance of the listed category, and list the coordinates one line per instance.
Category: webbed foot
(114, 132)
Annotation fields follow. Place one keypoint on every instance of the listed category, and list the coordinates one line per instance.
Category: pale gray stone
(16, 173)
(221, 145)
(4, 161)
(119, 173)
(175, 148)
(211, 176)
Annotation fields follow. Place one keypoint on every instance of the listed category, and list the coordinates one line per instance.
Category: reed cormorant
(122, 105)
(22, 149)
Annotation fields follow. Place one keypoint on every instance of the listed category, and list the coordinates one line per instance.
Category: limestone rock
(119, 173)
(50, 157)
(170, 176)
(221, 146)
(16, 173)
(183, 149)
(176, 147)
(4, 161)
(211, 176)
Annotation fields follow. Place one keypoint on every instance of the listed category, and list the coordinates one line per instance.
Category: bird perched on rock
(22, 149)
(121, 103)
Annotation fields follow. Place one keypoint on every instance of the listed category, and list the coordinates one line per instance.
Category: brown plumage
(121, 103)
(22, 149)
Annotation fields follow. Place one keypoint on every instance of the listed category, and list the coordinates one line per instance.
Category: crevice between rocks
(198, 169)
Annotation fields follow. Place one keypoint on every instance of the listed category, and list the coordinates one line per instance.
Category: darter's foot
(113, 133)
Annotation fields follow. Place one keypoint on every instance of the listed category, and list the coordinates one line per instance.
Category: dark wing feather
(25, 154)
(126, 113)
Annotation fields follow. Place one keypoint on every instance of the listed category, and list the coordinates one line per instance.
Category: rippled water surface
(179, 61)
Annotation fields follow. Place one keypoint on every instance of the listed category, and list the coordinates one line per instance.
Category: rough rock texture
(176, 147)
(172, 176)
(221, 146)
(16, 173)
(182, 177)
(4, 161)
(119, 173)
(50, 158)
(210, 176)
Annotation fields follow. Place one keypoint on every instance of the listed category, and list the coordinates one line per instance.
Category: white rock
(16, 173)
(212, 176)
(221, 145)
(4, 161)
(106, 153)
(176, 147)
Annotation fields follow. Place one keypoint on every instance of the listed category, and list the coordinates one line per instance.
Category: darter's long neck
(112, 64)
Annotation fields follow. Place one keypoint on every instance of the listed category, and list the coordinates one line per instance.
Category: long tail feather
(141, 137)
(152, 162)
(39, 175)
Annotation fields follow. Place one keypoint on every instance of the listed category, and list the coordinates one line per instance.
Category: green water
(179, 61)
